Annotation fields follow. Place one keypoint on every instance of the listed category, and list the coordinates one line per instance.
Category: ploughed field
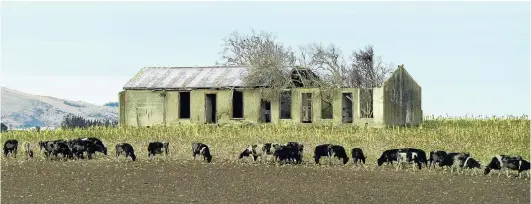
(103, 180)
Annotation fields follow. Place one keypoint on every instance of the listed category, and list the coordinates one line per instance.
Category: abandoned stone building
(177, 95)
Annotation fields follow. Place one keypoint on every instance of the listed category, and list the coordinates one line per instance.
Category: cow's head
(345, 160)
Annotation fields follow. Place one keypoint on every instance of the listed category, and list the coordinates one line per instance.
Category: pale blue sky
(469, 57)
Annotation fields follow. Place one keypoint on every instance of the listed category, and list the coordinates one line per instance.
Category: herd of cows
(292, 152)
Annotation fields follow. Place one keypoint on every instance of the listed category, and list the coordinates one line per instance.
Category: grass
(482, 137)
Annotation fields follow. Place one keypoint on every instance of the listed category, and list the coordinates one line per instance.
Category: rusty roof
(187, 77)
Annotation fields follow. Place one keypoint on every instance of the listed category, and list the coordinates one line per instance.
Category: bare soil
(196, 182)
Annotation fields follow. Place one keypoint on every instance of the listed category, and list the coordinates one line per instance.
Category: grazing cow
(257, 150)
(11, 146)
(358, 156)
(506, 163)
(297, 154)
(421, 155)
(471, 163)
(330, 150)
(201, 149)
(98, 142)
(61, 147)
(454, 160)
(407, 155)
(28, 151)
(388, 156)
(156, 148)
(285, 154)
(436, 157)
(127, 149)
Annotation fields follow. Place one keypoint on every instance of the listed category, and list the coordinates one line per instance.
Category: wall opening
(210, 108)
(366, 107)
(346, 109)
(237, 104)
(306, 108)
(285, 105)
(184, 105)
(327, 112)
(265, 111)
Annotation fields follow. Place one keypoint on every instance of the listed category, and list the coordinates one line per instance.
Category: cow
(28, 151)
(436, 157)
(11, 146)
(388, 156)
(61, 147)
(330, 150)
(357, 156)
(79, 146)
(256, 150)
(156, 148)
(98, 142)
(471, 163)
(297, 154)
(408, 155)
(506, 163)
(201, 149)
(454, 160)
(125, 148)
(286, 154)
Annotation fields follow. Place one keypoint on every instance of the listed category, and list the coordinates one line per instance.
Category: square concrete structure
(201, 95)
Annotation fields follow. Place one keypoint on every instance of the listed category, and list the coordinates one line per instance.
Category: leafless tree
(267, 61)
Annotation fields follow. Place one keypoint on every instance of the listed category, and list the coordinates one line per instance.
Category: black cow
(357, 156)
(330, 150)
(81, 145)
(11, 146)
(98, 142)
(127, 149)
(156, 148)
(61, 147)
(286, 154)
(506, 162)
(388, 156)
(436, 157)
(297, 154)
(201, 149)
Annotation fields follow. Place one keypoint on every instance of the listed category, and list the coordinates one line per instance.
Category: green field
(482, 137)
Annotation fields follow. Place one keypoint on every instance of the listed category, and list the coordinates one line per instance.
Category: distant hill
(23, 110)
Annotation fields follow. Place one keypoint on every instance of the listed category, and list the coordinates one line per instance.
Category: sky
(470, 58)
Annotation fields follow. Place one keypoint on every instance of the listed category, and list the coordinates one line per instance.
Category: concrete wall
(402, 99)
(148, 108)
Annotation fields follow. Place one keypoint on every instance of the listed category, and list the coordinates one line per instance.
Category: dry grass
(482, 137)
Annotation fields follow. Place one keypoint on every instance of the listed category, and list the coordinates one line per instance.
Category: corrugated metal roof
(187, 77)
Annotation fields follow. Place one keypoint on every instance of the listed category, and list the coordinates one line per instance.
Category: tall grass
(482, 137)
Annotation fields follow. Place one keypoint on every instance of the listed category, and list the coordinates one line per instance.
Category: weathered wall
(402, 99)
(144, 107)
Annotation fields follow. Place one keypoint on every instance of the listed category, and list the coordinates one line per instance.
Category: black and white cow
(388, 156)
(357, 156)
(203, 150)
(330, 150)
(407, 155)
(11, 146)
(421, 155)
(127, 149)
(454, 160)
(436, 157)
(506, 163)
(61, 147)
(98, 142)
(257, 150)
(471, 163)
(156, 148)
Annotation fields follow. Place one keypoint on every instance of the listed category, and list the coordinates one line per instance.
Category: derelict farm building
(176, 95)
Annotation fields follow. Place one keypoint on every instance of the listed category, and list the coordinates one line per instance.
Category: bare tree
(270, 64)
(267, 61)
